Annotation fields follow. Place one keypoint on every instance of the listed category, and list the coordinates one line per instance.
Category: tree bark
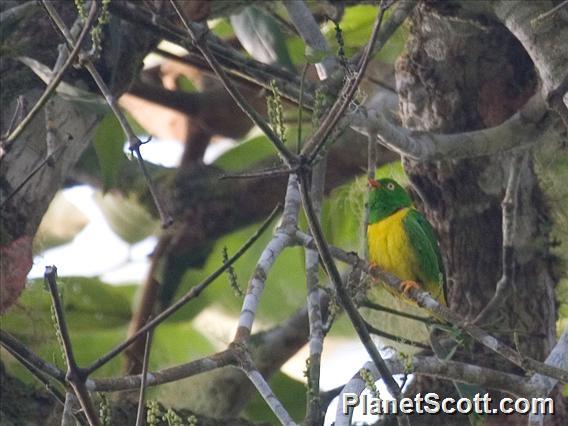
(462, 75)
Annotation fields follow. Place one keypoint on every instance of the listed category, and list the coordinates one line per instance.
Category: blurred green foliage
(97, 315)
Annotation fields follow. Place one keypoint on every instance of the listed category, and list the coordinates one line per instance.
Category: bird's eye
(390, 186)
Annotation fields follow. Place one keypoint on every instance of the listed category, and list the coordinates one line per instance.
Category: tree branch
(68, 419)
(523, 128)
(277, 244)
(314, 412)
(558, 357)
(167, 375)
(144, 374)
(395, 338)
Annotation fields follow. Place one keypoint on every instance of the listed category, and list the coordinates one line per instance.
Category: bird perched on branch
(401, 241)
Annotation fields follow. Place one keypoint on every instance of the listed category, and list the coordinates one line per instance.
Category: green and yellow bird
(401, 240)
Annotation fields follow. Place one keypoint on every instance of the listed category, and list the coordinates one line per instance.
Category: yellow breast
(389, 247)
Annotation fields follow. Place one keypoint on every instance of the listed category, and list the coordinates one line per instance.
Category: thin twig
(197, 36)
(145, 362)
(75, 375)
(49, 278)
(235, 60)
(191, 294)
(320, 136)
(274, 172)
(57, 76)
(344, 297)
(509, 215)
(544, 16)
(430, 366)
(371, 172)
(19, 112)
(47, 160)
(397, 16)
(134, 142)
(395, 338)
(377, 307)
(301, 108)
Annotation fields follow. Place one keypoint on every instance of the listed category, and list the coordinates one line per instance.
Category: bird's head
(385, 198)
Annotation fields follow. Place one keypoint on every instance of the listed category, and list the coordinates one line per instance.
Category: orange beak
(374, 183)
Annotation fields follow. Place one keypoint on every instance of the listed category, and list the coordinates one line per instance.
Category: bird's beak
(374, 183)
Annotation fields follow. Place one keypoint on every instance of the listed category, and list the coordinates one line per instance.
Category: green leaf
(177, 342)
(185, 84)
(106, 306)
(261, 37)
(256, 147)
(296, 49)
(221, 27)
(245, 154)
(108, 143)
(357, 24)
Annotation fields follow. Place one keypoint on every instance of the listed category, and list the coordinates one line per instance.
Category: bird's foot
(408, 285)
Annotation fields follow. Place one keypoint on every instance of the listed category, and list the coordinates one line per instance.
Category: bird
(401, 241)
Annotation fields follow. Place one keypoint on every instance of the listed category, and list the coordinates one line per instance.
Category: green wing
(423, 240)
